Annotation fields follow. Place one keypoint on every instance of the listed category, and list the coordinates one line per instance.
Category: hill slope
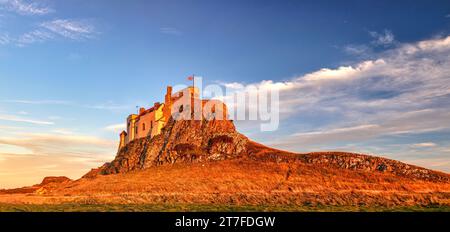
(200, 141)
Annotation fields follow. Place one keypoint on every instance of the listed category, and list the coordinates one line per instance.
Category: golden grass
(244, 182)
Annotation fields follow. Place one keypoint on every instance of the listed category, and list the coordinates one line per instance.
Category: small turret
(123, 137)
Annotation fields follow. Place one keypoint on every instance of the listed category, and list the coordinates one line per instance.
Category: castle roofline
(151, 109)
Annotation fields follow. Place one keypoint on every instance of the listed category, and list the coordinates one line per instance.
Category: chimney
(168, 103)
(141, 110)
(169, 90)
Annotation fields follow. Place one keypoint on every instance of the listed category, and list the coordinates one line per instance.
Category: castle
(182, 105)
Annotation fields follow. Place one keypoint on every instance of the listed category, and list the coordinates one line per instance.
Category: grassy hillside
(239, 184)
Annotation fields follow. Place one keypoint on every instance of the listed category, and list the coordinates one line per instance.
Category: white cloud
(36, 36)
(71, 29)
(383, 38)
(344, 72)
(63, 131)
(421, 145)
(24, 7)
(116, 127)
(13, 118)
(233, 85)
(404, 90)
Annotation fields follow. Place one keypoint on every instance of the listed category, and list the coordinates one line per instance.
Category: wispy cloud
(382, 38)
(52, 30)
(170, 31)
(117, 128)
(387, 125)
(4, 39)
(24, 7)
(447, 16)
(63, 131)
(36, 36)
(14, 118)
(39, 102)
(71, 29)
(56, 144)
(360, 49)
(110, 106)
(421, 145)
(59, 28)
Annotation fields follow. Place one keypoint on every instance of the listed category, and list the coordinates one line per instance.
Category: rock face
(179, 141)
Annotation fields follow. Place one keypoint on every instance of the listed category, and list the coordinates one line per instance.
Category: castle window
(143, 126)
(136, 129)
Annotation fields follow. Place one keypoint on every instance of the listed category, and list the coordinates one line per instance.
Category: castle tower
(123, 137)
(131, 127)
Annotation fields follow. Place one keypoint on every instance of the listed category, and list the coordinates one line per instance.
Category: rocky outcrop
(179, 141)
(54, 180)
(47, 183)
(346, 160)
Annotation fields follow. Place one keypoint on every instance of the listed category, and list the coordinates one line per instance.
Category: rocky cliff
(179, 141)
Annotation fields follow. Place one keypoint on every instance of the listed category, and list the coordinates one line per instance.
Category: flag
(190, 78)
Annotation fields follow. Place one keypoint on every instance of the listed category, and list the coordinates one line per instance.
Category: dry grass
(244, 182)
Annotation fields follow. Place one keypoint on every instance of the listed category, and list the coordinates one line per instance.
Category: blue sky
(362, 76)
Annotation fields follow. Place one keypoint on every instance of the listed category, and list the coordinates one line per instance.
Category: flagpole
(193, 81)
